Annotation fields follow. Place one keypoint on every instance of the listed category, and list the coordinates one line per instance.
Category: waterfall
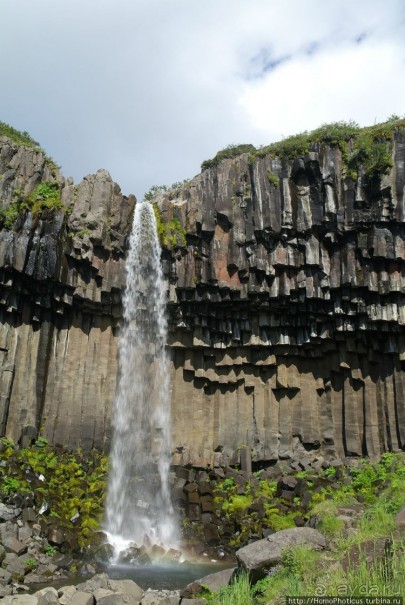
(139, 508)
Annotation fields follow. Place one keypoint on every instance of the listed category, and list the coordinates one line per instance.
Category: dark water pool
(169, 576)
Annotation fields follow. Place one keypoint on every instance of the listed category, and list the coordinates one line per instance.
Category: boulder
(47, 596)
(65, 594)
(213, 582)
(100, 580)
(82, 598)
(108, 597)
(129, 588)
(14, 546)
(261, 555)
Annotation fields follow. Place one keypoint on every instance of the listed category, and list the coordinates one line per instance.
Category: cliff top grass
(355, 142)
(19, 137)
(25, 139)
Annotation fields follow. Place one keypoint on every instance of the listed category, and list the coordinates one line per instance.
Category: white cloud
(150, 88)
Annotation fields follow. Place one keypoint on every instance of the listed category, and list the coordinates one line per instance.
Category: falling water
(139, 508)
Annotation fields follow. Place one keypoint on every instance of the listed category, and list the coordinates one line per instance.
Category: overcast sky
(148, 89)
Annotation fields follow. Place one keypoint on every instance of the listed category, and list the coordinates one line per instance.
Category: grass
(21, 138)
(368, 149)
(24, 138)
(238, 593)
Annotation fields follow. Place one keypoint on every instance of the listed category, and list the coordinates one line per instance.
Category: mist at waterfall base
(139, 511)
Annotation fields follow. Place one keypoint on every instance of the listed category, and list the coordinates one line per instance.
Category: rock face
(286, 304)
(288, 309)
(61, 276)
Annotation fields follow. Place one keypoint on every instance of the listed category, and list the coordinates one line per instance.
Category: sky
(148, 89)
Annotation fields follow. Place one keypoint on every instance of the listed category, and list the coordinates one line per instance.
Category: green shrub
(30, 563)
(46, 196)
(171, 234)
(273, 179)
(49, 550)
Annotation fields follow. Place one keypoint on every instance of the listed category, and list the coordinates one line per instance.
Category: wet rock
(104, 552)
(129, 555)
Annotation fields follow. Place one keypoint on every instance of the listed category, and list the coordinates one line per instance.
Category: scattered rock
(8, 512)
(13, 545)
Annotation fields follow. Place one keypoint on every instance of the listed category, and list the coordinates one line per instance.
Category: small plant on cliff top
(230, 151)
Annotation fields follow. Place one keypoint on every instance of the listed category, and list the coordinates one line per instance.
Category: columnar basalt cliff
(61, 277)
(286, 306)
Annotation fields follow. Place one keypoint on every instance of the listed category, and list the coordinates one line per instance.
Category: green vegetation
(21, 138)
(238, 593)
(45, 197)
(273, 179)
(358, 561)
(30, 563)
(369, 148)
(230, 151)
(24, 138)
(73, 485)
(171, 234)
(169, 190)
(49, 550)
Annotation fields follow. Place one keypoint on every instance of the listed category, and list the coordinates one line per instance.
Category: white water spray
(139, 508)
